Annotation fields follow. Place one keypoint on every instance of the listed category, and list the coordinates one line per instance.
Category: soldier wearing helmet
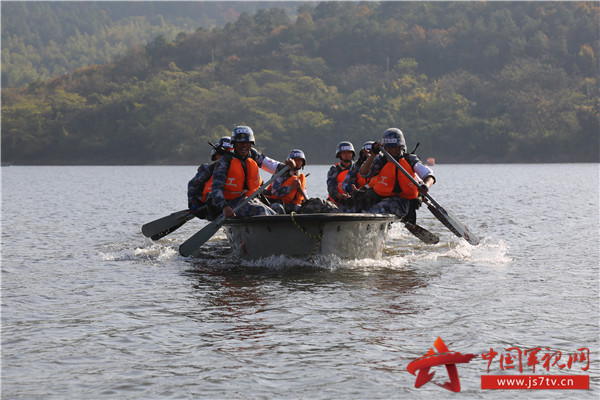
(223, 146)
(289, 190)
(237, 177)
(353, 180)
(395, 192)
(199, 187)
(336, 175)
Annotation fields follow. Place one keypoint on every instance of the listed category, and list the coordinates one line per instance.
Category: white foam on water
(401, 249)
(277, 262)
(158, 252)
(151, 251)
(489, 251)
(326, 262)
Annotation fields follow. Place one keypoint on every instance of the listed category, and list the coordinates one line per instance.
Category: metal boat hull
(348, 236)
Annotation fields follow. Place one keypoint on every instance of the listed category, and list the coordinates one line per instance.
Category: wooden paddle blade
(423, 234)
(191, 245)
(174, 220)
(452, 223)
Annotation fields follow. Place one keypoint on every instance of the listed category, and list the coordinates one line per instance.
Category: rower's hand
(342, 196)
(423, 189)
(292, 164)
(354, 188)
(228, 212)
(375, 148)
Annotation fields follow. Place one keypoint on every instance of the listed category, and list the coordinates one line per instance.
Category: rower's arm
(269, 165)
(425, 173)
(365, 169)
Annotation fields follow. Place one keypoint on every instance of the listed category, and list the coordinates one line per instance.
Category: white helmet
(344, 146)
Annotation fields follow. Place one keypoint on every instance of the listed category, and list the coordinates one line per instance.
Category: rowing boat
(345, 235)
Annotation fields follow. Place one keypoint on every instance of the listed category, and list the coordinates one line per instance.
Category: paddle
(165, 225)
(421, 233)
(302, 191)
(191, 245)
(444, 216)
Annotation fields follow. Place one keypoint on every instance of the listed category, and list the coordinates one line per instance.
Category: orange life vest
(207, 189)
(392, 182)
(372, 181)
(340, 179)
(294, 196)
(237, 180)
(360, 181)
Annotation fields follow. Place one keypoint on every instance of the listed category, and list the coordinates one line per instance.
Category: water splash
(402, 249)
(489, 251)
(159, 252)
(330, 263)
(402, 244)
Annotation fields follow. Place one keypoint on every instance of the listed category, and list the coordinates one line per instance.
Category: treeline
(43, 39)
(470, 81)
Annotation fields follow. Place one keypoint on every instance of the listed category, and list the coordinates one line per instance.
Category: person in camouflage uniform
(288, 191)
(353, 182)
(199, 202)
(245, 162)
(396, 194)
(336, 175)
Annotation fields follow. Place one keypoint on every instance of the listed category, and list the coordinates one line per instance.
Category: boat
(345, 235)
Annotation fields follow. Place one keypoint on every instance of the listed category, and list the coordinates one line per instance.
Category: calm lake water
(91, 309)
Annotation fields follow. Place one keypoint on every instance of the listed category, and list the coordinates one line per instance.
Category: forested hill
(42, 39)
(470, 81)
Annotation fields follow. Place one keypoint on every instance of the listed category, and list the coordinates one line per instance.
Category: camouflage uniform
(391, 205)
(399, 206)
(279, 191)
(332, 187)
(255, 206)
(196, 187)
(351, 177)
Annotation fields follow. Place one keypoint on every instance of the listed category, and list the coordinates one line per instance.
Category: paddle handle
(260, 189)
(254, 195)
(406, 173)
(303, 193)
